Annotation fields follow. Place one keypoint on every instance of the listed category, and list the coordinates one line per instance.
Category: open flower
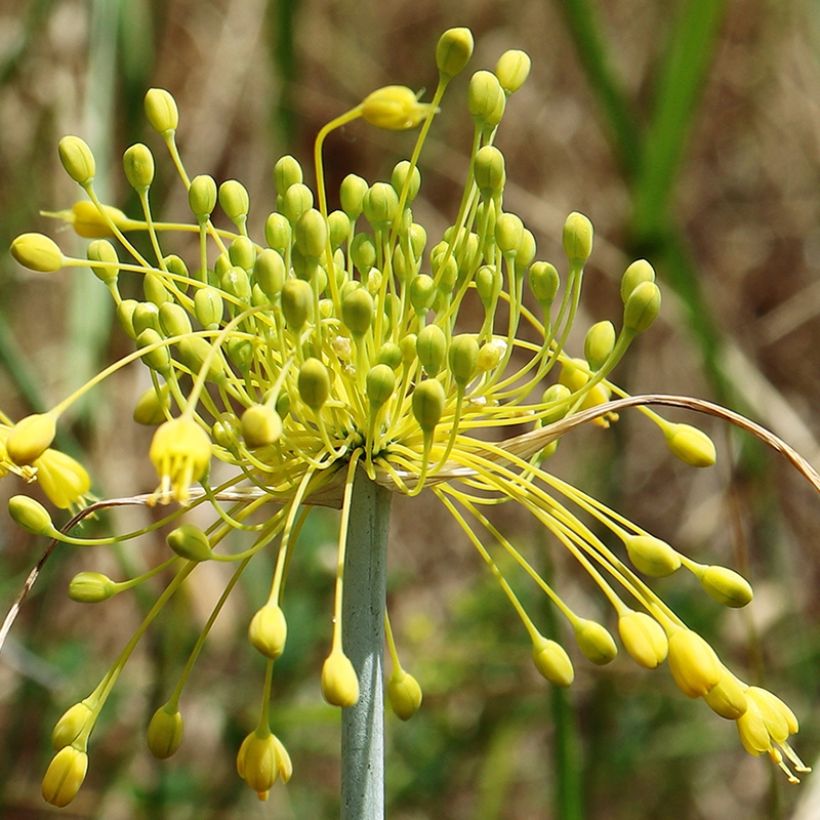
(333, 351)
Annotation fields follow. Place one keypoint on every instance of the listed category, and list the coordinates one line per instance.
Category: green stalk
(363, 631)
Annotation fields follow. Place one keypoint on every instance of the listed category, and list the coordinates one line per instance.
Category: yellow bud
(165, 731)
(552, 661)
(556, 396)
(202, 196)
(638, 272)
(642, 307)
(357, 311)
(91, 587)
(643, 638)
(286, 172)
(161, 111)
(63, 479)
(68, 727)
(394, 107)
(181, 453)
(573, 374)
(726, 698)
(30, 438)
(268, 631)
(431, 348)
(297, 301)
(194, 351)
(726, 586)
(402, 179)
(509, 231)
(138, 163)
(599, 343)
(693, 663)
(77, 160)
(486, 99)
(577, 239)
(151, 406)
(453, 52)
(338, 228)
(512, 69)
(404, 694)
(595, 641)
(100, 250)
(651, 556)
(269, 273)
(261, 426)
(428, 404)
(313, 383)
(490, 355)
(190, 543)
(37, 252)
(488, 168)
(90, 222)
(422, 293)
(751, 726)
(64, 776)
(234, 201)
(340, 685)
(257, 761)
(381, 382)
(690, 445)
(525, 252)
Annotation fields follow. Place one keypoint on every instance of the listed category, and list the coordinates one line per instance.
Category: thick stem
(363, 637)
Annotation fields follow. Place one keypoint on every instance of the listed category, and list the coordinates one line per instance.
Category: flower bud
(463, 358)
(726, 586)
(173, 319)
(278, 232)
(637, 273)
(431, 347)
(313, 383)
(690, 445)
(509, 231)
(642, 307)
(525, 252)
(394, 107)
(407, 346)
(234, 201)
(380, 205)
(552, 661)
(268, 631)
(422, 293)
(488, 282)
(208, 307)
(226, 431)
(389, 354)
(202, 197)
(453, 52)
(100, 250)
(310, 234)
(190, 542)
(77, 160)
(428, 404)
(486, 99)
(599, 344)
(151, 406)
(64, 776)
(488, 168)
(340, 685)
(68, 727)
(269, 273)
(237, 283)
(93, 221)
(261, 759)
(651, 556)
(381, 382)
(161, 111)
(165, 731)
(157, 356)
(512, 69)
(363, 252)
(556, 395)
(37, 252)
(404, 694)
(138, 164)
(577, 239)
(490, 355)
(595, 641)
(544, 282)
(401, 177)
(693, 663)
(91, 588)
(241, 254)
(351, 195)
(643, 638)
(297, 200)
(297, 301)
(261, 426)
(726, 698)
(145, 316)
(30, 438)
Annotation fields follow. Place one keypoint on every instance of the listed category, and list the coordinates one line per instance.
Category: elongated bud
(422, 293)
(381, 382)
(488, 282)
(552, 661)
(693, 663)
(637, 273)
(68, 727)
(726, 698)
(453, 52)
(100, 250)
(526, 251)
(599, 343)
(726, 586)
(234, 201)
(157, 356)
(651, 556)
(91, 587)
(595, 641)
(297, 300)
(577, 239)
(161, 111)
(340, 686)
(64, 776)
(173, 319)
(643, 638)
(310, 234)
(431, 347)
(357, 311)
(642, 307)
(268, 631)
(269, 273)
(509, 231)
(488, 168)
(37, 252)
(208, 307)
(202, 197)
(404, 694)
(338, 227)
(286, 172)
(314, 384)
(463, 358)
(278, 232)
(138, 164)
(486, 99)
(690, 445)
(351, 195)
(380, 205)
(77, 160)
(30, 438)
(512, 69)
(401, 178)
(261, 426)
(428, 404)
(394, 107)
(165, 731)
(190, 543)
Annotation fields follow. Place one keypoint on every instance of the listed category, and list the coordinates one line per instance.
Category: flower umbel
(335, 349)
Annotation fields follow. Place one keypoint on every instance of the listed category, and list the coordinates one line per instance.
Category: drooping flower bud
(100, 250)
(340, 686)
(64, 776)
(643, 638)
(190, 543)
(690, 445)
(552, 661)
(404, 694)
(595, 641)
(71, 723)
(726, 586)
(31, 437)
(693, 663)
(651, 556)
(268, 631)
(165, 731)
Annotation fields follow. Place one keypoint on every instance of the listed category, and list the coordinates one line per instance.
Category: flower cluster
(333, 349)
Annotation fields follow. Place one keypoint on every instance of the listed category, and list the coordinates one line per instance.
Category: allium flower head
(336, 347)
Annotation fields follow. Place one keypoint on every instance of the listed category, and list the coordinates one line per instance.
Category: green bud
(557, 395)
(642, 307)
(91, 588)
(418, 239)
(173, 319)
(165, 730)
(222, 265)
(512, 70)
(125, 316)
(77, 160)
(31, 515)
(544, 282)
(404, 694)
(351, 195)
(202, 197)
(194, 351)
(159, 358)
(269, 273)
(428, 404)
(651, 556)
(453, 52)
(138, 164)
(240, 354)
(189, 542)
(407, 346)
(463, 357)
(726, 586)
(599, 343)
(381, 382)
(489, 171)
(174, 264)
(278, 232)
(638, 272)
(486, 99)
(431, 347)
(447, 275)
(208, 307)
(401, 176)
(380, 205)
(577, 239)
(236, 282)
(295, 201)
(226, 431)
(313, 383)
(151, 406)
(595, 641)
(489, 355)
(310, 234)
(261, 426)
(145, 317)
(101, 250)
(526, 251)
(357, 311)
(268, 631)
(363, 252)
(234, 201)
(488, 282)
(37, 252)
(389, 354)
(552, 661)
(154, 290)
(297, 303)
(338, 226)
(509, 232)
(161, 111)
(422, 293)
(402, 268)
(286, 172)
(283, 405)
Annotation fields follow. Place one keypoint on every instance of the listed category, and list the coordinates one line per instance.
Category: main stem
(363, 631)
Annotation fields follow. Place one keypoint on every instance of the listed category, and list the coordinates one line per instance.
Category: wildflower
(333, 353)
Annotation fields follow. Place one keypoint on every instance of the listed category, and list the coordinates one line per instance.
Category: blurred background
(689, 132)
